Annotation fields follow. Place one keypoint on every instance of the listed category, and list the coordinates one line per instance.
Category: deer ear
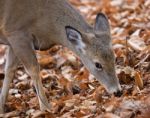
(75, 37)
(102, 23)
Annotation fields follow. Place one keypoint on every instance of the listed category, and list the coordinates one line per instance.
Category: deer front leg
(22, 46)
(10, 67)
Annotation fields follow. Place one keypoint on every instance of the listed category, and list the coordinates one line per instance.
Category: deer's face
(95, 51)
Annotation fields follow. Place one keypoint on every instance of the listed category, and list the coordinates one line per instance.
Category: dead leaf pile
(72, 91)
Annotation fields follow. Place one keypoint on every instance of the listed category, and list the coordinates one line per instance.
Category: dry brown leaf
(44, 61)
(108, 115)
(136, 43)
(10, 114)
(98, 95)
(138, 80)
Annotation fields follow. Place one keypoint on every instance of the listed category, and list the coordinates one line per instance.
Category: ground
(71, 89)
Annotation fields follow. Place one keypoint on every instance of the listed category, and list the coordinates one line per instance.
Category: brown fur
(26, 25)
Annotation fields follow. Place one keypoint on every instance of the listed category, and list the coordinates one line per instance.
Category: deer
(29, 25)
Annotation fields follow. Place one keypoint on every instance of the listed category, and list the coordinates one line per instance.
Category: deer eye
(98, 66)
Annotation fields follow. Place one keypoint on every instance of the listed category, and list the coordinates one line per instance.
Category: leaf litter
(71, 89)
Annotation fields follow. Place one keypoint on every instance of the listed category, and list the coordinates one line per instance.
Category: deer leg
(22, 46)
(10, 67)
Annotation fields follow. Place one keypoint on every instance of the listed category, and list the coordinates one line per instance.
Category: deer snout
(115, 89)
(118, 93)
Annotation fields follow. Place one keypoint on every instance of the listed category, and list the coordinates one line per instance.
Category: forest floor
(72, 91)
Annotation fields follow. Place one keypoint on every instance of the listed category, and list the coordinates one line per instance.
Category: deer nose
(118, 93)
